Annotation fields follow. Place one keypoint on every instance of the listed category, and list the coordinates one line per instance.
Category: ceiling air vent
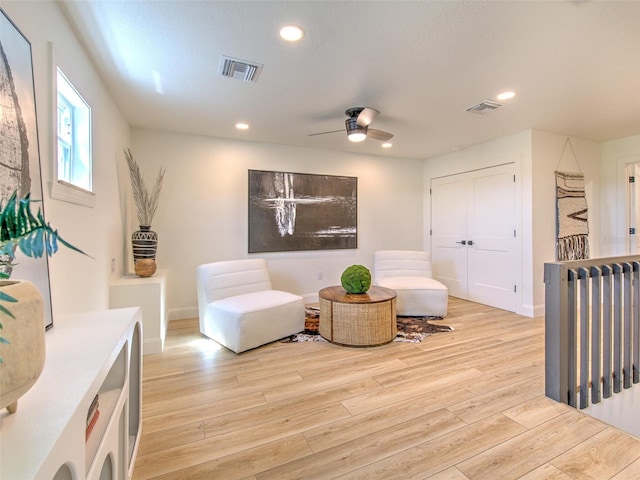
(484, 107)
(238, 69)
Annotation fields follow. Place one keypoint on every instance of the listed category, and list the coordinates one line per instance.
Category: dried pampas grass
(146, 204)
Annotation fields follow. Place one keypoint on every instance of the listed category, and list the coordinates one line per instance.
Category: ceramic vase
(22, 348)
(144, 243)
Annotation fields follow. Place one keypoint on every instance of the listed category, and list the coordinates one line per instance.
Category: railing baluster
(626, 334)
(607, 380)
(636, 322)
(596, 336)
(585, 336)
(572, 293)
(617, 330)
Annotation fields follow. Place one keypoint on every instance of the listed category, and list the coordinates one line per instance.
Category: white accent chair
(409, 274)
(239, 309)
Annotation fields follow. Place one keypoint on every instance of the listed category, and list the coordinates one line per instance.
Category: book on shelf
(92, 409)
(91, 424)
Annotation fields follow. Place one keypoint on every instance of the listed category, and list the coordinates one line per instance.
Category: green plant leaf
(31, 234)
(4, 310)
(6, 297)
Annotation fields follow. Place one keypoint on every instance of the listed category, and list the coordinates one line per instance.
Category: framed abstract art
(19, 148)
(301, 211)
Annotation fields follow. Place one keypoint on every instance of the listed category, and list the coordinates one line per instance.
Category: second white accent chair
(409, 274)
(238, 307)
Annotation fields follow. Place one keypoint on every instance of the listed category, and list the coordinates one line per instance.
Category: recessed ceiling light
(291, 33)
(506, 95)
(387, 145)
(242, 126)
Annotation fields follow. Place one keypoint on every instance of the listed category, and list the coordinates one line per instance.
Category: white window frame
(61, 189)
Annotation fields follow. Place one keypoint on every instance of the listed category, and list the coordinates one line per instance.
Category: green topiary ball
(356, 279)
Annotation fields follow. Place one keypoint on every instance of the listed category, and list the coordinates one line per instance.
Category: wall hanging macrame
(572, 226)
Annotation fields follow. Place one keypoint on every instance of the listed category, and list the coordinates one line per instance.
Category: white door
(473, 235)
(449, 233)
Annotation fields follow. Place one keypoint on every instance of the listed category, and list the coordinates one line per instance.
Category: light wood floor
(468, 404)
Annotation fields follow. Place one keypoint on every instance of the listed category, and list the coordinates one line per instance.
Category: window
(74, 136)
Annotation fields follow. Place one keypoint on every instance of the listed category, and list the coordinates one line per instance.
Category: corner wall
(78, 283)
(547, 158)
(202, 213)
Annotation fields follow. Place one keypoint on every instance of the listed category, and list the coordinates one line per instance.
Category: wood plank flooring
(468, 404)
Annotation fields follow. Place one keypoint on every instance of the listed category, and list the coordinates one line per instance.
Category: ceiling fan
(357, 125)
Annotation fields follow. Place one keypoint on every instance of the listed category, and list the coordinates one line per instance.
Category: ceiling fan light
(355, 132)
(357, 136)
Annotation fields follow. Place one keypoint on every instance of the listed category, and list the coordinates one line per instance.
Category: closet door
(473, 235)
(449, 225)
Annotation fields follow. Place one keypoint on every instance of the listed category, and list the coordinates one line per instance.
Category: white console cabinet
(148, 293)
(88, 355)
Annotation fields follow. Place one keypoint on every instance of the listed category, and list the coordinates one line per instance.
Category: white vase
(23, 356)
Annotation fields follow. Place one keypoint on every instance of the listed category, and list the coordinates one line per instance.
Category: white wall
(616, 154)
(202, 213)
(78, 283)
(548, 157)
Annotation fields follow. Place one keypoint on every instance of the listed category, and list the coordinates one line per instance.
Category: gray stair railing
(592, 328)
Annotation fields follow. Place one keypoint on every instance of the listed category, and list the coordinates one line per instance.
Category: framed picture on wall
(19, 149)
(301, 211)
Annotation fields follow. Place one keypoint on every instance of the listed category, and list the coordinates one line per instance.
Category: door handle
(470, 242)
(463, 242)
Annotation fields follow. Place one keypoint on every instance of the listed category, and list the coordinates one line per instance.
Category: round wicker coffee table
(358, 320)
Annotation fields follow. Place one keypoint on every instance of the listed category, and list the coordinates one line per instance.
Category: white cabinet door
(473, 235)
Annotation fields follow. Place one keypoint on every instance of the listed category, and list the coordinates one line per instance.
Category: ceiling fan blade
(323, 133)
(379, 134)
(366, 116)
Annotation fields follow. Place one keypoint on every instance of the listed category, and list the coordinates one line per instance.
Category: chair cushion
(401, 263)
(249, 320)
(411, 283)
(254, 302)
(418, 295)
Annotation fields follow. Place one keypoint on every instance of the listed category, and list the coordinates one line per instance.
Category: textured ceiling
(575, 66)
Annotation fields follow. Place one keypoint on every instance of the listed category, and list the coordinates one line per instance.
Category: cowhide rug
(410, 329)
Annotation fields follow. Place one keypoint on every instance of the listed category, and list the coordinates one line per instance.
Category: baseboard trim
(531, 310)
(310, 298)
(151, 346)
(183, 313)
